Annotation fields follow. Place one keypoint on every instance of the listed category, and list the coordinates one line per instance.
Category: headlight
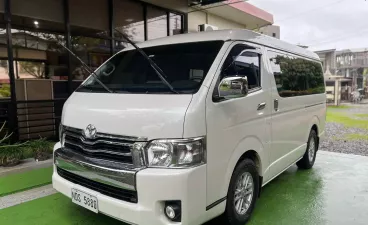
(175, 152)
(61, 135)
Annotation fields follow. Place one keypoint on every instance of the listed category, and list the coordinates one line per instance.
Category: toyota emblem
(90, 131)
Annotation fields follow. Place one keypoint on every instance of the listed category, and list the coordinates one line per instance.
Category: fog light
(170, 212)
(173, 210)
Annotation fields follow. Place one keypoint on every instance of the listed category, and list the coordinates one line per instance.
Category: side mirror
(233, 87)
(108, 69)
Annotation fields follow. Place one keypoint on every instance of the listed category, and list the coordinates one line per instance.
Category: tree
(36, 69)
(5, 91)
(299, 76)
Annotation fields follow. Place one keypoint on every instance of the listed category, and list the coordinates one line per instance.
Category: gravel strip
(335, 135)
(25, 196)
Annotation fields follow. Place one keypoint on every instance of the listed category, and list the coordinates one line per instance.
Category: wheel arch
(314, 125)
(250, 148)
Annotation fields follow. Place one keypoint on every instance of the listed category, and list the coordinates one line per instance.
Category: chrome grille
(103, 146)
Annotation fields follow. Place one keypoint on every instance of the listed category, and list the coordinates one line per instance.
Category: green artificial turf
(297, 197)
(54, 209)
(23, 181)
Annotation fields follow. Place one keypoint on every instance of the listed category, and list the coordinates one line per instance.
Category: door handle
(261, 106)
(276, 104)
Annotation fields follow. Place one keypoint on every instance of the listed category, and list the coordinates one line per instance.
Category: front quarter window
(242, 62)
(184, 65)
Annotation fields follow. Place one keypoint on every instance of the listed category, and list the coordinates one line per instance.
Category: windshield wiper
(89, 70)
(154, 66)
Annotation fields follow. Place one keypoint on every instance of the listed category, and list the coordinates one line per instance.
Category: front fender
(247, 144)
(57, 146)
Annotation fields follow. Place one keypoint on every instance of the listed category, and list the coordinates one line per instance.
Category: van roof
(228, 35)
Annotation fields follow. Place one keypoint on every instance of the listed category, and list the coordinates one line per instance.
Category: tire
(245, 169)
(309, 157)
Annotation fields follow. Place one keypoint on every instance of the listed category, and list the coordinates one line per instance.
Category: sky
(320, 24)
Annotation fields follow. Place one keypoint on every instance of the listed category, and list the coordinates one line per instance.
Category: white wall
(201, 17)
(194, 19)
(222, 23)
(270, 30)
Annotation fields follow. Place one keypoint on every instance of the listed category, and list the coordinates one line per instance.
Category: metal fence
(32, 119)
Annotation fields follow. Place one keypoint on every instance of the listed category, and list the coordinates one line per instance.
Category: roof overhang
(337, 77)
(325, 51)
(241, 12)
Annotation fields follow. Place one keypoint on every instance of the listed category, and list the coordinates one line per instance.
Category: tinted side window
(296, 76)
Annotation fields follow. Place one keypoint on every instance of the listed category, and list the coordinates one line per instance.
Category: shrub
(10, 155)
(40, 148)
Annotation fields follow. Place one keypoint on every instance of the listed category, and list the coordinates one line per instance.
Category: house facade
(345, 71)
(36, 71)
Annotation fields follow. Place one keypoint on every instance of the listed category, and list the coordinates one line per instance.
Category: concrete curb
(26, 165)
(26, 196)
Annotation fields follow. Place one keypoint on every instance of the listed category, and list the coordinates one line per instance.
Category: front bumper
(154, 187)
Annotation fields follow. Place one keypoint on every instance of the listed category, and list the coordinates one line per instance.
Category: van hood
(142, 115)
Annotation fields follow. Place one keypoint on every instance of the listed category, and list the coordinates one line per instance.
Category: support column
(68, 45)
(168, 23)
(145, 22)
(111, 26)
(336, 92)
(13, 112)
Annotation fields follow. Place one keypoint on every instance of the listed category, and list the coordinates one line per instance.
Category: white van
(239, 108)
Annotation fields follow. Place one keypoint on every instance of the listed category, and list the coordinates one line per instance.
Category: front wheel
(242, 193)
(309, 157)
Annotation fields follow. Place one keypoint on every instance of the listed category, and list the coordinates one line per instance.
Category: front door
(237, 124)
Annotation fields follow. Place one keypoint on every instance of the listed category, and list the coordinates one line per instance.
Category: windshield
(185, 66)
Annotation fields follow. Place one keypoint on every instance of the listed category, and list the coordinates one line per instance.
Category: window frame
(221, 67)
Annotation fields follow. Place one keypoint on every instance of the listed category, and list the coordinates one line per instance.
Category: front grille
(118, 193)
(103, 146)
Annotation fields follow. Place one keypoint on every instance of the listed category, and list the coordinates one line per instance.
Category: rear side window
(296, 76)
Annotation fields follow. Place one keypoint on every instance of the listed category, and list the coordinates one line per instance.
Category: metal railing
(33, 119)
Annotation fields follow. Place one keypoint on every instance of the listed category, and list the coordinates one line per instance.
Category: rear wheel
(309, 157)
(242, 193)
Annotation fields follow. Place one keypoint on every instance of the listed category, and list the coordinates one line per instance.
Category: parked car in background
(233, 115)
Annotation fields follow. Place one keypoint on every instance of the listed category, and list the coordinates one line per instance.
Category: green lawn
(362, 115)
(356, 137)
(338, 106)
(346, 120)
(23, 181)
